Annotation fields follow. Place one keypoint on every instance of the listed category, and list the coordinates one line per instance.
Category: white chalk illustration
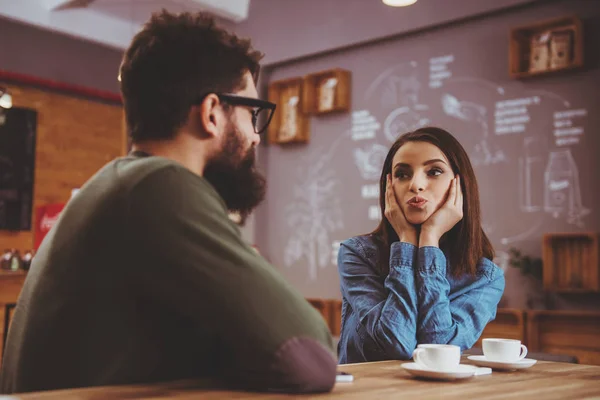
(464, 110)
(400, 90)
(562, 195)
(370, 191)
(478, 81)
(548, 94)
(374, 213)
(398, 86)
(439, 71)
(392, 79)
(533, 229)
(314, 213)
(530, 172)
(401, 121)
(370, 160)
(364, 125)
(485, 153)
(335, 249)
(566, 131)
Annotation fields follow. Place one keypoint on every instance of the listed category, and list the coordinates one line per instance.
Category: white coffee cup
(504, 350)
(437, 356)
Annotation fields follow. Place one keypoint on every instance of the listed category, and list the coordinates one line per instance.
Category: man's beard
(234, 176)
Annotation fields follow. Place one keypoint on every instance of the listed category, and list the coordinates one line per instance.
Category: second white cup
(437, 356)
(504, 350)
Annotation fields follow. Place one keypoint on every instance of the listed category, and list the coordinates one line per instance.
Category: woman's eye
(435, 172)
(401, 175)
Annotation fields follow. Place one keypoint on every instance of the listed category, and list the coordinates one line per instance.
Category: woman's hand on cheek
(393, 213)
(444, 218)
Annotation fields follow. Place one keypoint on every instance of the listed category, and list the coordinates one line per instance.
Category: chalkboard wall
(533, 143)
(17, 166)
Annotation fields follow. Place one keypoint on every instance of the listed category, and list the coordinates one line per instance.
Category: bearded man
(144, 278)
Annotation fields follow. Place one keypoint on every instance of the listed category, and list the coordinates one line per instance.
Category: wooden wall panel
(322, 306)
(575, 333)
(75, 137)
(335, 323)
(509, 324)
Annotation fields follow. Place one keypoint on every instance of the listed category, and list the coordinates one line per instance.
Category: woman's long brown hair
(466, 243)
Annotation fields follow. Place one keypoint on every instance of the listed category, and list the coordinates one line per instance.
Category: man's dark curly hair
(171, 62)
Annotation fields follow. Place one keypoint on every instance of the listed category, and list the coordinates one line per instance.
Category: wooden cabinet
(335, 320)
(574, 333)
(11, 284)
(571, 262)
(322, 306)
(509, 324)
(331, 310)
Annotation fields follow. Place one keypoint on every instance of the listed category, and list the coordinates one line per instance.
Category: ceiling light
(399, 3)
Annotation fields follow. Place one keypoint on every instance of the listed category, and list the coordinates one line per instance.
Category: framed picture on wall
(289, 124)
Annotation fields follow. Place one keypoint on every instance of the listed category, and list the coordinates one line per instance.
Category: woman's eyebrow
(401, 165)
(434, 161)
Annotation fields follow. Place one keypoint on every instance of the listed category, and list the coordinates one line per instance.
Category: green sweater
(144, 278)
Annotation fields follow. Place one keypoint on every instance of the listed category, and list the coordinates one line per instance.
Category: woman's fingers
(451, 200)
(455, 190)
(391, 204)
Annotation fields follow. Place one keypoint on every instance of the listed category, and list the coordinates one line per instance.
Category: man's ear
(207, 118)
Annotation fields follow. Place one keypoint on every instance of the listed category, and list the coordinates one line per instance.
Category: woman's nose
(417, 185)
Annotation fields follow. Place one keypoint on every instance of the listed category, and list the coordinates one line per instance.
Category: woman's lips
(417, 202)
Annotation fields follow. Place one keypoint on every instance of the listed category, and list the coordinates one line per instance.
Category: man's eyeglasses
(262, 110)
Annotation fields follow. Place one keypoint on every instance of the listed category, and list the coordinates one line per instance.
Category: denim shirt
(418, 302)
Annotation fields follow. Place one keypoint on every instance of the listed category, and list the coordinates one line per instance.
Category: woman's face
(421, 176)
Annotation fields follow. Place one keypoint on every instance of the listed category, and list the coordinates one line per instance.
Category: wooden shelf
(571, 262)
(575, 333)
(9, 273)
(327, 92)
(542, 43)
(289, 124)
(570, 290)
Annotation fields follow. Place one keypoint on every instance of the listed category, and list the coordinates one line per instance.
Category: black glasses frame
(257, 106)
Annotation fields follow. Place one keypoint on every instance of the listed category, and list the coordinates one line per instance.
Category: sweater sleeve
(270, 337)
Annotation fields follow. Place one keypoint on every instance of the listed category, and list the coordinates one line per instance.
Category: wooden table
(381, 380)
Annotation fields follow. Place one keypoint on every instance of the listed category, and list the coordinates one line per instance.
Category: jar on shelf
(26, 260)
(6, 260)
(15, 261)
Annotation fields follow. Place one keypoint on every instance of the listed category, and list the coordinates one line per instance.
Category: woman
(425, 274)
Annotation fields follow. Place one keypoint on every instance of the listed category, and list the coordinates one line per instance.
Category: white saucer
(501, 365)
(460, 372)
